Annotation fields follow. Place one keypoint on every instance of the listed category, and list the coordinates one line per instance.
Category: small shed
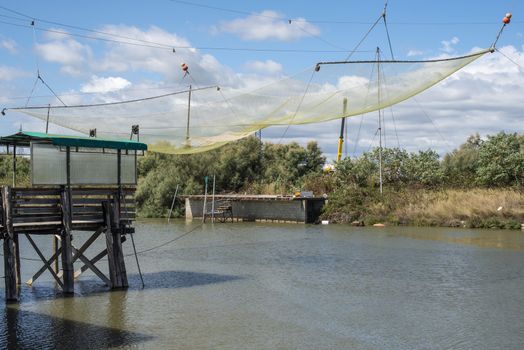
(77, 184)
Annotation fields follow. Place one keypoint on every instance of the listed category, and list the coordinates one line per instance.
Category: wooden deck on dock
(58, 212)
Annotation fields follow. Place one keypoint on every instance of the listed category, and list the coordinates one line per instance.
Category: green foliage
(424, 168)
(501, 161)
(22, 171)
(460, 166)
(288, 164)
(409, 179)
(238, 166)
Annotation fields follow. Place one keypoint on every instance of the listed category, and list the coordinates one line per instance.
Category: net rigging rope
(219, 116)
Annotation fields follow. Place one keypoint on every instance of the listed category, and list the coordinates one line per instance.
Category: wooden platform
(58, 212)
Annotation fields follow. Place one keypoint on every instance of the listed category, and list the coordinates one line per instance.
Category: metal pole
(342, 127)
(205, 202)
(172, 205)
(379, 121)
(213, 203)
(188, 116)
(47, 119)
(14, 165)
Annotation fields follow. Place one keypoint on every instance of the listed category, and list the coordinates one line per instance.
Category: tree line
(254, 167)
(251, 166)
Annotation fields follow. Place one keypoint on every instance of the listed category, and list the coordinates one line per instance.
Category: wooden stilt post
(11, 287)
(17, 259)
(67, 251)
(109, 244)
(15, 236)
(119, 228)
(55, 251)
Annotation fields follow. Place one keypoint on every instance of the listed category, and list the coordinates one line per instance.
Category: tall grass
(463, 207)
(477, 208)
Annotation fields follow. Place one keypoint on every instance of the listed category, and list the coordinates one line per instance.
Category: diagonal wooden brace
(43, 268)
(46, 264)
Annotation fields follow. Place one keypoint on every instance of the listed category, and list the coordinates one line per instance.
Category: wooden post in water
(67, 251)
(213, 201)
(67, 213)
(14, 165)
(172, 205)
(11, 285)
(115, 258)
(204, 208)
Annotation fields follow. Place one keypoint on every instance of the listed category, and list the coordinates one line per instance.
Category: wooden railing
(40, 210)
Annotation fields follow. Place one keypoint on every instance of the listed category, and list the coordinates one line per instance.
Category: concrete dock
(256, 208)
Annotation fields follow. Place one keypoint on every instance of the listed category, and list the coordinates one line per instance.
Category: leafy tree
(501, 161)
(460, 166)
(424, 169)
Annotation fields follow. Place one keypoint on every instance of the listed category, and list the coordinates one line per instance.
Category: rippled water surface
(273, 286)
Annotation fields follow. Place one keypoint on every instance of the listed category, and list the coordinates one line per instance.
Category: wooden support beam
(17, 259)
(11, 284)
(53, 258)
(115, 257)
(67, 256)
(46, 264)
(87, 243)
(93, 261)
(57, 251)
(96, 259)
(91, 266)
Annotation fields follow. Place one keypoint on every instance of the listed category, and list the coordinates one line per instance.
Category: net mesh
(221, 115)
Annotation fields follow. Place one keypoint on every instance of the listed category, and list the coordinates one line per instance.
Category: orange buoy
(506, 20)
(184, 67)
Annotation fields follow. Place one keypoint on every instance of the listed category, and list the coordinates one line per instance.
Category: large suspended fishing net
(218, 115)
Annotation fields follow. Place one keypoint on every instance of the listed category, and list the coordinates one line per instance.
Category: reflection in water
(266, 286)
(481, 238)
(29, 330)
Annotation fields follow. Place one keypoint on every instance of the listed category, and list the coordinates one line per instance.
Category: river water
(285, 286)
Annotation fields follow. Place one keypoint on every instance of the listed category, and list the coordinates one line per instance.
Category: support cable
(362, 115)
(511, 60)
(363, 38)
(387, 31)
(299, 105)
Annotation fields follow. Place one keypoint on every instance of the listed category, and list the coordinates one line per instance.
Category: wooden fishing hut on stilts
(78, 184)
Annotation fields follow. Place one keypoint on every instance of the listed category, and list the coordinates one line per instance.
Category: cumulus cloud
(264, 67)
(72, 55)
(414, 52)
(448, 45)
(9, 73)
(484, 97)
(104, 85)
(9, 45)
(267, 25)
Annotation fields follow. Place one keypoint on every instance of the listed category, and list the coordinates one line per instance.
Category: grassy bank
(473, 208)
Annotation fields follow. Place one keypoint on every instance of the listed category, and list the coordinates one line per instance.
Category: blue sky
(418, 29)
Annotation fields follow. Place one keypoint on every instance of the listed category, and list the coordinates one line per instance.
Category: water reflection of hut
(77, 184)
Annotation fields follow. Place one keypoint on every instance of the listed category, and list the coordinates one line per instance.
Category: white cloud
(9, 45)
(484, 97)
(414, 52)
(72, 55)
(264, 67)
(205, 69)
(447, 45)
(9, 73)
(268, 25)
(104, 85)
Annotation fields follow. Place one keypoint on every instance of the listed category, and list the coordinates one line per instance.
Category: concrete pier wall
(302, 210)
